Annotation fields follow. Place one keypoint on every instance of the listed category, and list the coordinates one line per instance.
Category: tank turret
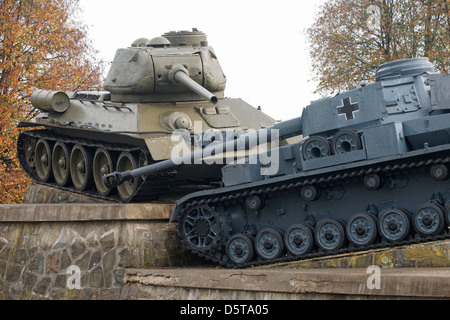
(154, 88)
(176, 66)
(372, 171)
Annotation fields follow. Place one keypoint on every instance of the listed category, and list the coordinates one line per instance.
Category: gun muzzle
(116, 178)
(179, 74)
(183, 78)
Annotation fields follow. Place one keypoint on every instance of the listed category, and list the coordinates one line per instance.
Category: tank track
(151, 188)
(217, 254)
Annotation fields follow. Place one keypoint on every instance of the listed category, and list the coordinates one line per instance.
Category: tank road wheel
(394, 224)
(142, 162)
(269, 243)
(103, 164)
(362, 229)
(316, 147)
(60, 164)
(201, 228)
(330, 234)
(81, 167)
(345, 141)
(299, 239)
(240, 248)
(43, 160)
(428, 219)
(127, 189)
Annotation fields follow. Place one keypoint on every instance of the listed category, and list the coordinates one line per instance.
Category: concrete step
(282, 283)
(418, 271)
(59, 212)
(41, 244)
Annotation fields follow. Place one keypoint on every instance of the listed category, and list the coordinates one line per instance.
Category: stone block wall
(85, 253)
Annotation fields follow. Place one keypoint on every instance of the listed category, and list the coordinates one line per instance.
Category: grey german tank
(371, 172)
(172, 83)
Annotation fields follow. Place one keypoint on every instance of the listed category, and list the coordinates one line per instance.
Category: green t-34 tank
(172, 83)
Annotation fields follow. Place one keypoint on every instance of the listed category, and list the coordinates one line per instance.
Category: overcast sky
(261, 45)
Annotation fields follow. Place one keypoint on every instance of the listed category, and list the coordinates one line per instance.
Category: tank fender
(179, 204)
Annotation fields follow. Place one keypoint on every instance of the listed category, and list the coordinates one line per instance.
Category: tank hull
(406, 184)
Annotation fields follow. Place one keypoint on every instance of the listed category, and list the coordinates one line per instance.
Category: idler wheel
(103, 164)
(299, 239)
(128, 188)
(269, 243)
(60, 164)
(81, 167)
(43, 160)
(361, 229)
(428, 219)
(394, 224)
(240, 249)
(330, 234)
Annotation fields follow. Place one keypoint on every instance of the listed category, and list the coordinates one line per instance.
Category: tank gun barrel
(182, 77)
(285, 129)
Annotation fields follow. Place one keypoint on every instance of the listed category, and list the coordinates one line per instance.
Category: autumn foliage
(350, 38)
(43, 44)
